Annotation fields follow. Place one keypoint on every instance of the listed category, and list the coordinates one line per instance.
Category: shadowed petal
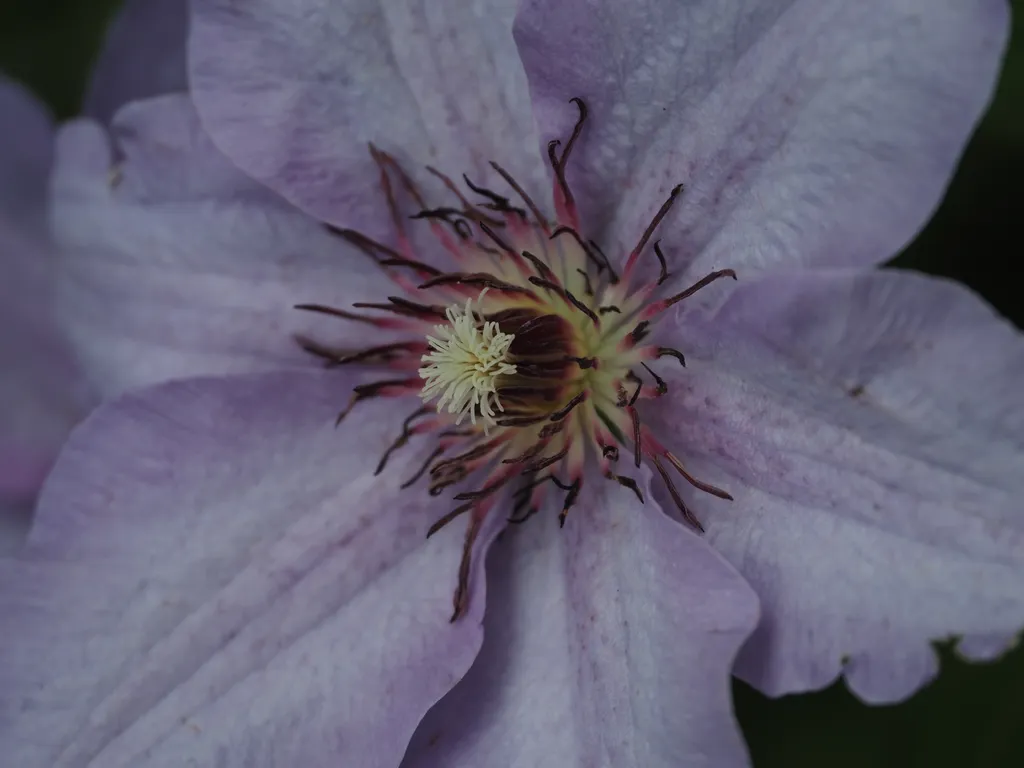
(14, 522)
(185, 266)
(38, 401)
(871, 429)
(293, 92)
(143, 56)
(216, 576)
(792, 123)
(26, 153)
(609, 642)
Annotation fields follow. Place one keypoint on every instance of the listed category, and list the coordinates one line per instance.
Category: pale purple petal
(39, 388)
(168, 274)
(871, 429)
(805, 131)
(37, 385)
(163, 155)
(143, 56)
(294, 91)
(609, 642)
(216, 577)
(986, 647)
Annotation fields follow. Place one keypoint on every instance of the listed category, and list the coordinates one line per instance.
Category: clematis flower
(218, 574)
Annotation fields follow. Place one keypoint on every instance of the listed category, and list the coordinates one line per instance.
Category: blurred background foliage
(973, 715)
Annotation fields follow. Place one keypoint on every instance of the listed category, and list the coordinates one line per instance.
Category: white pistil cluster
(466, 360)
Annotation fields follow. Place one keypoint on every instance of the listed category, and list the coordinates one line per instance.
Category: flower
(216, 573)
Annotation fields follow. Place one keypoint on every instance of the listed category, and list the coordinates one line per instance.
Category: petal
(292, 92)
(143, 56)
(871, 430)
(37, 385)
(164, 156)
(986, 647)
(792, 124)
(26, 152)
(39, 398)
(609, 642)
(215, 576)
(14, 522)
(196, 271)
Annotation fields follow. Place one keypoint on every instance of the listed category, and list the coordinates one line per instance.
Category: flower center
(541, 343)
(467, 358)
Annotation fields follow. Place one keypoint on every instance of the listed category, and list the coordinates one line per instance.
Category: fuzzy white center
(466, 358)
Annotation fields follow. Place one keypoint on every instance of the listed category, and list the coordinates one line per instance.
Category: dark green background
(974, 714)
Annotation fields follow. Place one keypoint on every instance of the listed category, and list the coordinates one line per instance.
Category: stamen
(627, 482)
(462, 228)
(582, 308)
(587, 287)
(468, 209)
(583, 362)
(665, 207)
(669, 352)
(442, 522)
(663, 275)
(423, 468)
(482, 279)
(498, 202)
(696, 287)
(497, 240)
(635, 418)
(551, 429)
(476, 452)
(386, 352)
(566, 201)
(613, 278)
(706, 487)
(401, 440)
(450, 216)
(466, 362)
(542, 269)
(486, 491)
(688, 516)
(567, 296)
(537, 215)
(601, 263)
(521, 421)
(546, 462)
(659, 383)
(630, 376)
(386, 388)
(419, 266)
(382, 158)
(570, 499)
(561, 413)
(365, 244)
(517, 519)
(639, 333)
(404, 307)
(528, 454)
(380, 322)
